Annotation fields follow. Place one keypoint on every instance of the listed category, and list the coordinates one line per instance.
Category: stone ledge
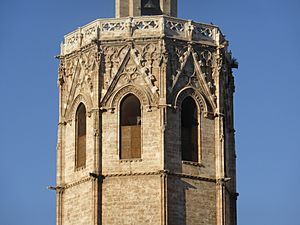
(160, 173)
(193, 163)
(130, 160)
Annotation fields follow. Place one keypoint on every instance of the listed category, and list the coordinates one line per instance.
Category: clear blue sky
(264, 37)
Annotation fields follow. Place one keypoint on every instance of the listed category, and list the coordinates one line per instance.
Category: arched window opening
(189, 130)
(130, 124)
(80, 136)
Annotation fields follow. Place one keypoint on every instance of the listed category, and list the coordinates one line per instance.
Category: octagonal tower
(146, 132)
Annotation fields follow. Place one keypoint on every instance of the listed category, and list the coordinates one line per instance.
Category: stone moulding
(140, 27)
(74, 184)
(181, 175)
(71, 111)
(197, 164)
(196, 95)
(160, 173)
(142, 95)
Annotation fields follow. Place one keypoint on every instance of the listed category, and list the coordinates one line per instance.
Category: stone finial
(125, 8)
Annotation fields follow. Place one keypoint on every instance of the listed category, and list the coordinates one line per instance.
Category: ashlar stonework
(161, 60)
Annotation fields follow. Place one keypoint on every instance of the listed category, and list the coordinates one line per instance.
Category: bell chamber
(132, 8)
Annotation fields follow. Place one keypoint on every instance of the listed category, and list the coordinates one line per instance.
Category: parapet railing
(140, 27)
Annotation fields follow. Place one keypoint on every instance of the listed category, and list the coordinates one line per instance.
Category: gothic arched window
(189, 130)
(130, 128)
(80, 136)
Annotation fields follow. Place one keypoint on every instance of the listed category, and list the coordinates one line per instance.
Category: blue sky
(263, 36)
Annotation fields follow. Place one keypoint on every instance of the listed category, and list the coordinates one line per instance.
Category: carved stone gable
(194, 69)
(79, 75)
(134, 65)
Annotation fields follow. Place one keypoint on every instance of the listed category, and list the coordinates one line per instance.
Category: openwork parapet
(141, 27)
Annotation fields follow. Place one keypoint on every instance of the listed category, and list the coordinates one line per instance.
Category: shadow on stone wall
(177, 204)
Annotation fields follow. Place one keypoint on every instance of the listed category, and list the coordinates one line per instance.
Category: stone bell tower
(145, 132)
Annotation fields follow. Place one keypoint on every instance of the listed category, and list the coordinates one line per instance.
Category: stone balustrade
(141, 27)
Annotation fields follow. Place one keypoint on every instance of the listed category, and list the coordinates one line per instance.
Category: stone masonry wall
(200, 202)
(77, 204)
(131, 200)
(191, 202)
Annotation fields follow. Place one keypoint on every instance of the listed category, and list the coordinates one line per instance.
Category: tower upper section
(125, 8)
(142, 27)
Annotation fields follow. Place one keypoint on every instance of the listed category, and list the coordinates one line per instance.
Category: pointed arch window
(130, 127)
(80, 136)
(189, 130)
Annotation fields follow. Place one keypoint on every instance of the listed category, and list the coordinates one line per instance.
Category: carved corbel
(89, 113)
(205, 114)
(148, 108)
(69, 122)
(209, 115)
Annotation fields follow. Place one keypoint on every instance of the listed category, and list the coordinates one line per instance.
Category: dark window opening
(80, 136)
(189, 130)
(151, 7)
(130, 124)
